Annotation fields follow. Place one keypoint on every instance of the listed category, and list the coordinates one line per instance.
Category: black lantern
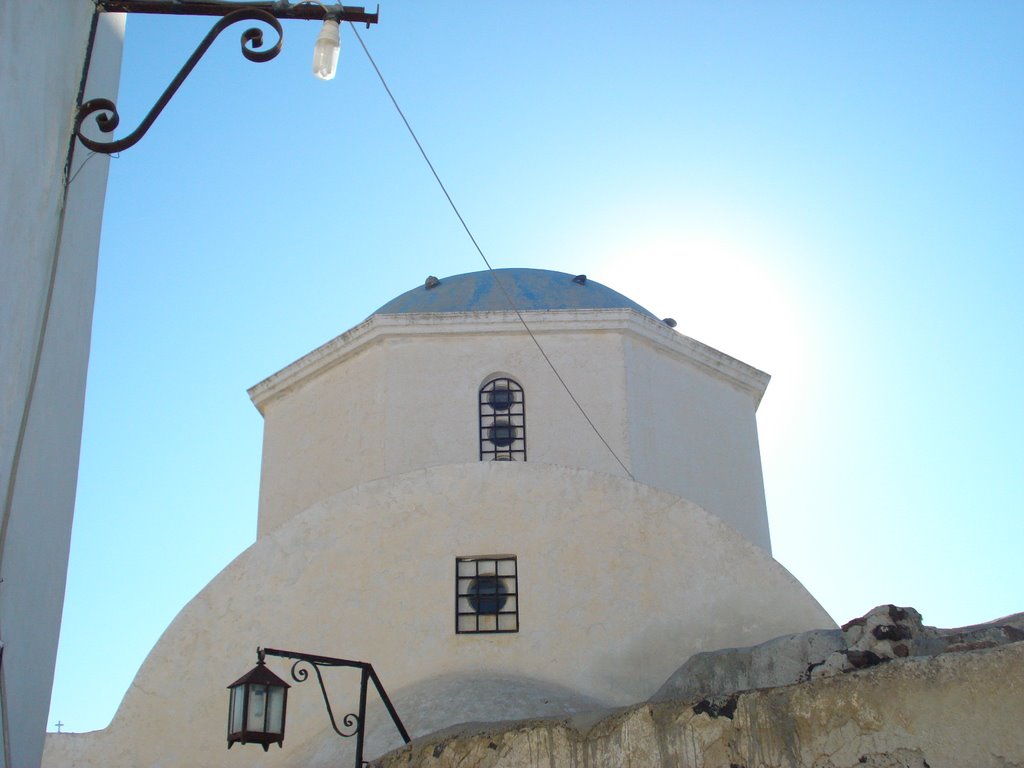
(256, 705)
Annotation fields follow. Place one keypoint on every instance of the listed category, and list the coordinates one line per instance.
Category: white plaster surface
(48, 255)
(619, 583)
(399, 393)
(430, 706)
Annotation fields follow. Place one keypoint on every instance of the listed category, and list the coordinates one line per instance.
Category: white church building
(509, 514)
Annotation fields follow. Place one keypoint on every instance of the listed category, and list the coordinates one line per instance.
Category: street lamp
(256, 707)
(326, 50)
(325, 54)
(258, 701)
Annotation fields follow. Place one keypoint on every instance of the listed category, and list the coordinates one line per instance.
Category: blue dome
(529, 289)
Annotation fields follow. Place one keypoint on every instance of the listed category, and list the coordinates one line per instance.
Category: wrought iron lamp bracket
(354, 721)
(230, 12)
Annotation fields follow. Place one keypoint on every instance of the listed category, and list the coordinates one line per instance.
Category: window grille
(502, 421)
(486, 594)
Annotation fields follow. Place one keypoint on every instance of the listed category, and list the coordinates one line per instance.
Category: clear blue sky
(832, 192)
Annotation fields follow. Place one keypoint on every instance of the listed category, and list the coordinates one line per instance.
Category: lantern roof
(259, 675)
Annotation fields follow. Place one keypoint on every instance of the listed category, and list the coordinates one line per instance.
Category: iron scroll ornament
(351, 720)
(367, 675)
(108, 119)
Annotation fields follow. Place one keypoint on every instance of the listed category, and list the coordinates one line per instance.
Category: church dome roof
(529, 289)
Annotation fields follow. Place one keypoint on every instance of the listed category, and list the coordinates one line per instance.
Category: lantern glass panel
(275, 710)
(235, 722)
(257, 708)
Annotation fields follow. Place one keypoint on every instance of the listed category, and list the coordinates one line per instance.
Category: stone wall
(959, 703)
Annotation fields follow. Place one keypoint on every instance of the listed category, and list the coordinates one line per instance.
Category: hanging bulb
(325, 53)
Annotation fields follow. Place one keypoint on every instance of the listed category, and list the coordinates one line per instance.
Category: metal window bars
(486, 594)
(502, 421)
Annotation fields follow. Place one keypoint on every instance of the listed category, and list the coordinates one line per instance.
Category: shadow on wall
(431, 705)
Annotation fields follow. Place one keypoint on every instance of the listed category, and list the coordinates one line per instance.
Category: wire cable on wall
(480, 251)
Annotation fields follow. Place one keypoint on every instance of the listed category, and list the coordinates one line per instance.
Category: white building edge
(50, 229)
(433, 501)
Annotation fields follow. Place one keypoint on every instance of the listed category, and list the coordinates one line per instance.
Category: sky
(830, 192)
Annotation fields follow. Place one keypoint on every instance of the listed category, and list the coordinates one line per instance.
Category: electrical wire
(480, 251)
(88, 157)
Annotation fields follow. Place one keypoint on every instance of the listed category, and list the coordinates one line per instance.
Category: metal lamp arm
(351, 720)
(387, 703)
(108, 118)
(367, 672)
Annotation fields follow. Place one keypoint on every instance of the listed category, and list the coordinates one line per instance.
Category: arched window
(502, 421)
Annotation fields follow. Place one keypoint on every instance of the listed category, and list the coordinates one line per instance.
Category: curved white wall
(619, 583)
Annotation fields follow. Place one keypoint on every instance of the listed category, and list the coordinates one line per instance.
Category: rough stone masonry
(885, 691)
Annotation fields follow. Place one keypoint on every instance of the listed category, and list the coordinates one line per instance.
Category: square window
(486, 594)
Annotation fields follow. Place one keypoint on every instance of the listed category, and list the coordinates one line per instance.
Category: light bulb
(325, 53)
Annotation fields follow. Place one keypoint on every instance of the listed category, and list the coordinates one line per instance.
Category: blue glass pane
(487, 594)
(502, 434)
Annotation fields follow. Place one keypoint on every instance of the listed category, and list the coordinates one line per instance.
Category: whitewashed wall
(399, 392)
(695, 433)
(48, 248)
(619, 583)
